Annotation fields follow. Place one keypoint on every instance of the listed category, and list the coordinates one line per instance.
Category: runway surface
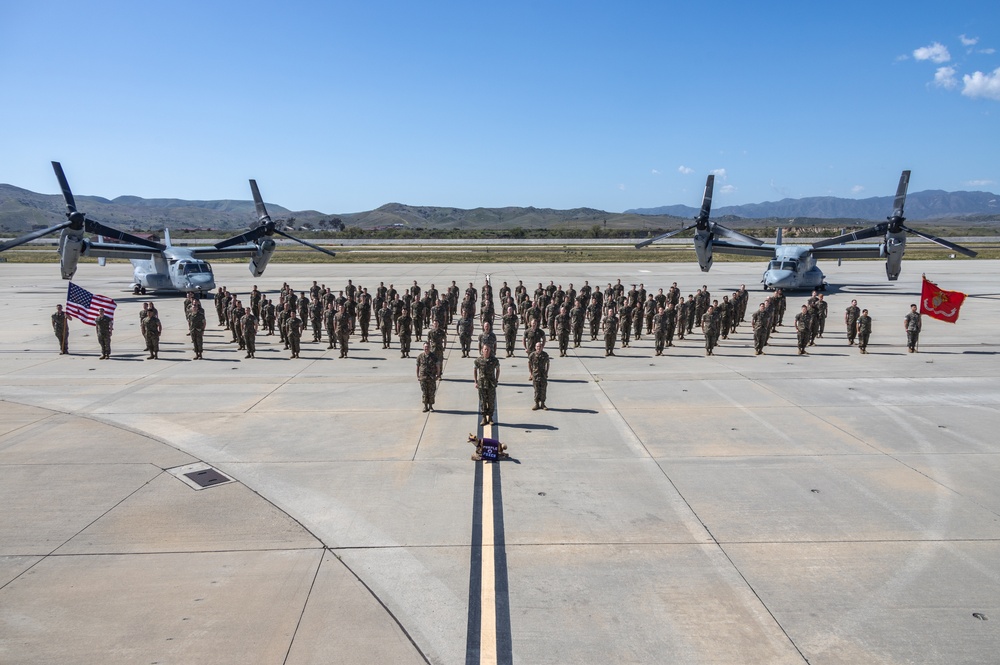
(834, 508)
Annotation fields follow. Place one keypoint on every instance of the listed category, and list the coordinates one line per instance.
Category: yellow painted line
(488, 603)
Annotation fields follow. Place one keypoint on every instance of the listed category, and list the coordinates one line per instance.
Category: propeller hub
(76, 220)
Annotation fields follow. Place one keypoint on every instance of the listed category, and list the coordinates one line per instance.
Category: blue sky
(345, 106)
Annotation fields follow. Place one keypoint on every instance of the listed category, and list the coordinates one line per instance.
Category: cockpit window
(789, 265)
(774, 265)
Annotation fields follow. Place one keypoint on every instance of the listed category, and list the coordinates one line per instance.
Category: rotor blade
(736, 235)
(31, 236)
(307, 244)
(109, 232)
(870, 232)
(64, 185)
(897, 205)
(941, 241)
(259, 203)
(665, 235)
(706, 201)
(250, 236)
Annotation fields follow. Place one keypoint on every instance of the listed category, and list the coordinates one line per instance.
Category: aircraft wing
(848, 252)
(235, 252)
(115, 250)
(725, 247)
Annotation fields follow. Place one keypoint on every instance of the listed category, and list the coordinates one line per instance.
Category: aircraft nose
(778, 279)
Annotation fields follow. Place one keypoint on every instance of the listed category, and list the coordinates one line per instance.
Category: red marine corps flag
(939, 304)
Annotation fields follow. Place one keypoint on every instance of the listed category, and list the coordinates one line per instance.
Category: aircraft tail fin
(777, 240)
(101, 260)
(166, 236)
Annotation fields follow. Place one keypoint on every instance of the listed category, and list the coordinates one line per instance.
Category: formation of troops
(527, 318)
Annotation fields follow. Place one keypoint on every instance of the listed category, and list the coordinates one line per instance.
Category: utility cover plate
(199, 476)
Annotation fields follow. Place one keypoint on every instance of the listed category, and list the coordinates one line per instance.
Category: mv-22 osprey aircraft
(156, 266)
(794, 266)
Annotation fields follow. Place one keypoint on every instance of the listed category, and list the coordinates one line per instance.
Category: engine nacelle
(703, 248)
(71, 246)
(895, 245)
(264, 251)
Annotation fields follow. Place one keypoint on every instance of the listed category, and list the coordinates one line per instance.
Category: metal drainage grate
(207, 477)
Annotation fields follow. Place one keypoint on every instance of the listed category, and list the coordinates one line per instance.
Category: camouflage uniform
(152, 328)
(610, 333)
(760, 324)
(404, 330)
(510, 332)
(649, 311)
(532, 335)
(105, 325)
(342, 326)
(659, 328)
(60, 326)
(330, 322)
(912, 324)
(625, 324)
(316, 314)
(384, 317)
(465, 336)
(438, 338)
(248, 325)
(864, 331)
(488, 339)
(563, 328)
(851, 315)
(538, 369)
(487, 375)
(293, 333)
(269, 315)
(710, 326)
(578, 315)
(365, 315)
(670, 323)
(428, 371)
(197, 329)
(803, 329)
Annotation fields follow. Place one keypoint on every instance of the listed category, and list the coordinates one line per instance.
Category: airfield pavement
(835, 508)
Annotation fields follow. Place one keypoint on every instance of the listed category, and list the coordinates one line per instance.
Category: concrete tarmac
(829, 508)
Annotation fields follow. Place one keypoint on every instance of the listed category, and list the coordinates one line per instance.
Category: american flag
(86, 306)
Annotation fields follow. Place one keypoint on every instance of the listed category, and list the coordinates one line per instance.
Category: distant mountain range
(22, 211)
(929, 204)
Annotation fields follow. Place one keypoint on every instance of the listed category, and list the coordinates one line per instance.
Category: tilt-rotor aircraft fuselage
(156, 266)
(794, 267)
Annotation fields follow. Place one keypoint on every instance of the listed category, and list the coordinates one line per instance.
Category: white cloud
(968, 41)
(727, 189)
(655, 172)
(987, 51)
(936, 52)
(978, 183)
(622, 187)
(979, 84)
(901, 58)
(721, 173)
(944, 77)
(857, 189)
(686, 170)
